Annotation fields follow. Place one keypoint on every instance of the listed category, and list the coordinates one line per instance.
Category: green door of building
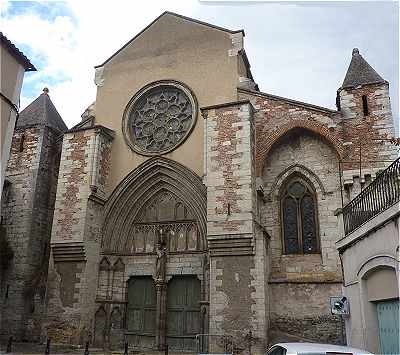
(388, 318)
(183, 312)
(141, 312)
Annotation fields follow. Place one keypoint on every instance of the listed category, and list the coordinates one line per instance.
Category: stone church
(186, 201)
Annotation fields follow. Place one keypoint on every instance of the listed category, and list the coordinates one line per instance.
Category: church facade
(187, 201)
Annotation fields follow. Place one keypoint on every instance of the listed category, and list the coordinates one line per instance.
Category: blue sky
(296, 50)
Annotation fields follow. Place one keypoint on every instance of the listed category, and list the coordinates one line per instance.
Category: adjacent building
(13, 66)
(369, 249)
(188, 201)
(27, 215)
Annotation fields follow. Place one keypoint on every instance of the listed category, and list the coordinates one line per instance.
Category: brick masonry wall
(368, 133)
(237, 265)
(275, 117)
(295, 138)
(75, 241)
(28, 213)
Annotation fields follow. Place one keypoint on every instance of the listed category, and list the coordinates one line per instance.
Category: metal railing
(378, 196)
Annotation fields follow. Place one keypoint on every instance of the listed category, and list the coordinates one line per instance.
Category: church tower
(26, 214)
(364, 103)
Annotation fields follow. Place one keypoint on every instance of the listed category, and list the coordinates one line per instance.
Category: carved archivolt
(300, 170)
(160, 193)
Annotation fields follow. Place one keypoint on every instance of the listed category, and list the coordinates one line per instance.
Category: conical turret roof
(360, 72)
(43, 112)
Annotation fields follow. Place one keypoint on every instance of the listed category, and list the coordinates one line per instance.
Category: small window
(299, 218)
(365, 105)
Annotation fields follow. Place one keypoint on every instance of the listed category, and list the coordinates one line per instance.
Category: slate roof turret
(360, 72)
(42, 112)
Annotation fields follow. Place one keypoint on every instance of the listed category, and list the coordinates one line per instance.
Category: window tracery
(167, 212)
(299, 218)
(159, 118)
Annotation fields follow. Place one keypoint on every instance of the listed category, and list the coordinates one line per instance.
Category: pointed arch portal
(160, 192)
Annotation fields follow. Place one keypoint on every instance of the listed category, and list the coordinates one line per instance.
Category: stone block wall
(301, 312)
(237, 252)
(75, 241)
(308, 156)
(27, 214)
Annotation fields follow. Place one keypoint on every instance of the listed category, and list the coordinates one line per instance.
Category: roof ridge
(292, 101)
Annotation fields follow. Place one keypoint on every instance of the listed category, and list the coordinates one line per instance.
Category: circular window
(159, 117)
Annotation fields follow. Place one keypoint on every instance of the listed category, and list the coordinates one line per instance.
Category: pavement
(39, 349)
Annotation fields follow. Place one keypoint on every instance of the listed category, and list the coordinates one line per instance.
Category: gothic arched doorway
(159, 201)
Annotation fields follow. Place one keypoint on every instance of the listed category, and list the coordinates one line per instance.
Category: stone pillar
(161, 288)
(237, 258)
(75, 240)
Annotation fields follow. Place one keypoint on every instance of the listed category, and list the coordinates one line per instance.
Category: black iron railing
(381, 194)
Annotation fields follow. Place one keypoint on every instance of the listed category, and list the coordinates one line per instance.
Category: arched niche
(159, 193)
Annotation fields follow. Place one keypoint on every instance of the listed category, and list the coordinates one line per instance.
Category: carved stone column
(161, 288)
(160, 279)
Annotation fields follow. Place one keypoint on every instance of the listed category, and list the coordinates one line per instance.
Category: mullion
(299, 226)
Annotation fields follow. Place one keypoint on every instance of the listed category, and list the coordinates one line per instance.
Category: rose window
(159, 118)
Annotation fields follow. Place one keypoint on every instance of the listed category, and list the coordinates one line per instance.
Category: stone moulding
(68, 251)
(139, 186)
(301, 170)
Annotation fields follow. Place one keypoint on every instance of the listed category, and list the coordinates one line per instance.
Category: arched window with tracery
(299, 218)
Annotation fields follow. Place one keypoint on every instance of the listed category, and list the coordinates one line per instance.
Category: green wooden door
(183, 313)
(141, 312)
(388, 318)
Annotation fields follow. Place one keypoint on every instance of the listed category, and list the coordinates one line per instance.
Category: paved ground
(39, 349)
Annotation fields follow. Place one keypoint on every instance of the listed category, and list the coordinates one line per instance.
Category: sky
(298, 50)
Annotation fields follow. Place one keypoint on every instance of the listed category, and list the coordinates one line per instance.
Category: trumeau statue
(161, 256)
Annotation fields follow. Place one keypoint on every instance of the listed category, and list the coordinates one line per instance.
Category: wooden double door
(182, 312)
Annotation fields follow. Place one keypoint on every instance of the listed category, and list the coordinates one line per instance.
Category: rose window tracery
(159, 118)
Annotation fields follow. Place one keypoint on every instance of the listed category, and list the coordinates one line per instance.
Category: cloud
(300, 52)
(65, 48)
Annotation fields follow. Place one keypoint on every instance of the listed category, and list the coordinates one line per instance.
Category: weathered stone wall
(237, 264)
(304, 154)
(301, 312)
(28, 211)
(75, 240)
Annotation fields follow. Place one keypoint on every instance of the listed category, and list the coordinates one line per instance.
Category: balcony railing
(378, 196)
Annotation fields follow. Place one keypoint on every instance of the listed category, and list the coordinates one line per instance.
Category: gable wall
(172, 48)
